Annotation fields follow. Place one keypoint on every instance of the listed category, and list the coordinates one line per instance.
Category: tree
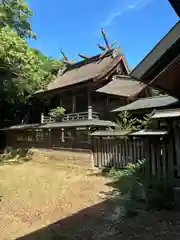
(16, 14)
(127, 122)
(21, 73)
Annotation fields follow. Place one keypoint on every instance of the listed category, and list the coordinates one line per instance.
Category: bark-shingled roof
(124, 86)
(83, 71)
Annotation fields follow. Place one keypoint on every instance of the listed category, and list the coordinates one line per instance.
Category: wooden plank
(111, 151)
(147, 150)
(131, 151)
(170, 159)
(158, 159)
(127, 150)
(98, 153)
(102, 152)
(153, 159)
(113, 161)
(116, 152)
(106, 142)
(164, 162)
(177, 147)
(120, 155)
(123, 160)
(139, 149)
(107, 150)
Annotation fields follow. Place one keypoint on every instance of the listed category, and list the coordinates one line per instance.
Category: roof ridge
(89, 60)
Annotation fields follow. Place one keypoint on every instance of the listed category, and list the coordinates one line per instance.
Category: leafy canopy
(16, 14)
(18, 59)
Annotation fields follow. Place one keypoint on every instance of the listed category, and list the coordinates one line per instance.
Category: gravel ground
(46, 200)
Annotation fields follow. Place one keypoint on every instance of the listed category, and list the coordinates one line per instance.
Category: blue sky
(75, 26)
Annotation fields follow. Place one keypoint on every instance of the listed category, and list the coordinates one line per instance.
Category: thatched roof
(124, 86)
(92, 69)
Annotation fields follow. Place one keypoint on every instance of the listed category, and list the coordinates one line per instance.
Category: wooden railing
(80, 116)
(71, 116)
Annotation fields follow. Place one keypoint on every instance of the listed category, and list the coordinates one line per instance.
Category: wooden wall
(159, 154)
(48, 139)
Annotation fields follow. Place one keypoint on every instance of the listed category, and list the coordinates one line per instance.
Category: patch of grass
(15, 156)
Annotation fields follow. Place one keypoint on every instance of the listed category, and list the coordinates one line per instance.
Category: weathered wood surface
(116, 152)
(161, 160)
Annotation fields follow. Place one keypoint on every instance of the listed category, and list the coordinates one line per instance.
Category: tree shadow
(104, 221)
(88, 223)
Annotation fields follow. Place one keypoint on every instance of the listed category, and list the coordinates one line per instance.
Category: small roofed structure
(150, 103)
(169, 113)
(124, 86)
(161, 67)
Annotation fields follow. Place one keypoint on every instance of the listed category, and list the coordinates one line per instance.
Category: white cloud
(132, 5)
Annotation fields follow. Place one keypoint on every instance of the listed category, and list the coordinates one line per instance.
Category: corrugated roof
(64, 124)
(169, 113)
(122, 86)
(110, 133)
(148, 103)
(91, 69)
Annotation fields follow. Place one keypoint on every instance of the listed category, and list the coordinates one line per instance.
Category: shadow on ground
(104, 221)
(89, 223)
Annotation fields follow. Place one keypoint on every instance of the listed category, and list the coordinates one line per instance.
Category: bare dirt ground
(42, 199)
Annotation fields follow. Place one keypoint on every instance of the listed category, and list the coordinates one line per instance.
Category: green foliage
(57, 113)
(16, 14)
(145, 122)
(139, 190)
(22, 71)
(127, 122)
(155, 92)
(27, 71)
(15, 156)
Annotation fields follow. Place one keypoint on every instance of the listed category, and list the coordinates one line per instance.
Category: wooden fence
(117, 152)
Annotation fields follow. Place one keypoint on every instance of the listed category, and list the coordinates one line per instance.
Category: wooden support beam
(84, 56)
(74, 103)
(64, 56)
(113, 43)
(67, 63)
(101, 47)
(104, 53)
(105, 38)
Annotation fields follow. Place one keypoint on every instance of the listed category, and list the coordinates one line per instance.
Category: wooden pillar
(62, 135)
(73, 103)
(89, 105)
(107, 103)
(42, 118)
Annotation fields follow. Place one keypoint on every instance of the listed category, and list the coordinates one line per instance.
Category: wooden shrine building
(88, 90)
